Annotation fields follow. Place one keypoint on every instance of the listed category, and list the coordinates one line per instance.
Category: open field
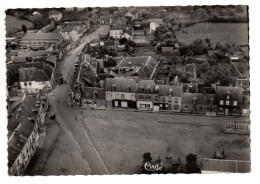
(14, 25)
(122, 137)
(217, 32)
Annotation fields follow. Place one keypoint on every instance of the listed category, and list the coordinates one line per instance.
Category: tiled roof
(146, 85)
(34, 53)
(225, 166)
(167, 90)
(18, 59)
(32, 74)
(88, 92)
(68, 28)
(116, 27)
(208, 97)
(188, 97)
(144, 65)
(235, 93)
(121, 84)
(42, 36)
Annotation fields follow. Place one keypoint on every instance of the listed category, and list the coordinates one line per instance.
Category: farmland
(217, 32)
(13, 24)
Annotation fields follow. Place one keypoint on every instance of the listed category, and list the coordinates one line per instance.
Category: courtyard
(121, 137)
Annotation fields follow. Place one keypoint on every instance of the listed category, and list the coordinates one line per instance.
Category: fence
(236, 127)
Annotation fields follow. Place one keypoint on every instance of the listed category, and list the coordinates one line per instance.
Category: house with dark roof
(147, 94)
(192, 102)
(128, 33)
(170, 97)
(23, 132)
(93, 97)
(120, 93)
(121, 21)
(229, 100)
(70, 33)
(32, 79)
(40, 40)
(55, 15)
(143, 67)
(133, 14)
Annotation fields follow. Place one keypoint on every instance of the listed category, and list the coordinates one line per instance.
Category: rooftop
(32, 74)
(42, 36)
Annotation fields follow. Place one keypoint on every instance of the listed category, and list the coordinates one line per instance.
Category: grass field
(217, 32)
(122, 137)
(14, 25)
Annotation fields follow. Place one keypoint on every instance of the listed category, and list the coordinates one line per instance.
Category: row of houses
(148, 96)
(26, 117)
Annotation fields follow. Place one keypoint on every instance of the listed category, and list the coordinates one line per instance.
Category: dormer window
(228, 96)
(95, 94)
(148, 89)
(114, 87)
(194, 100)
(141, 89)
(171, 92)
(157, 89)
(211, 101)
(128, 89)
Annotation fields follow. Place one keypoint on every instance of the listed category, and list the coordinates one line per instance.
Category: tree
(147, 157)
(24, 28)
(191, 163)
(198, 47)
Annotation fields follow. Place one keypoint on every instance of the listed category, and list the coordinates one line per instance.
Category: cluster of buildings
(26, 119)
(131, 85)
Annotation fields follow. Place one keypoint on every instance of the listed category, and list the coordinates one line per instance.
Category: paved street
(72, 152)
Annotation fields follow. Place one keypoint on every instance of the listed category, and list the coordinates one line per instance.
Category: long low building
(214, 166)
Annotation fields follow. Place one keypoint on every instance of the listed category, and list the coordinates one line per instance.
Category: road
(73, 152)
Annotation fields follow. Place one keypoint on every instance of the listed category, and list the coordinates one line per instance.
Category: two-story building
(70, 33)
(192, 103)
(116, 31)
(133, 14)
(93, 97)
(170, 97)
(145, 95)
(40, 40)
(33, 80)
(229, 100)
(120, 92)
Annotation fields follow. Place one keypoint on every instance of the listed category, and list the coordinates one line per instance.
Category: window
(94, 94)
(163, 99)
(200, 108)
(194, 100)
(25, 84)
(108, 95)
(186, 107)
(148, 106)
(221, 102)
(176, 107)
(235, 103)
(171, 92)
(30, 83)
(157, 89)
(155, 98)
(141, 97)
(122, 96)
(117, 96)
(176, 100)
(114, 87)
(228, 96)
(227, 102)
(148, 97)
(148, 89)
(128, 89)
(133, 97)
(141, 89)
(169, 99)
(221, 109)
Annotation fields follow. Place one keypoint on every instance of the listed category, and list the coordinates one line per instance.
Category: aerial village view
(128, 90)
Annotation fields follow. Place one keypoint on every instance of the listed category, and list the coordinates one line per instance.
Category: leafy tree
(191, 163)
(24, 28)
(186, 50)
(198, 47)
(147, 157)
(123, 40)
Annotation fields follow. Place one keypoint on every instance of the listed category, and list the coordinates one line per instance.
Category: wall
(112, 95)
(35, 86)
